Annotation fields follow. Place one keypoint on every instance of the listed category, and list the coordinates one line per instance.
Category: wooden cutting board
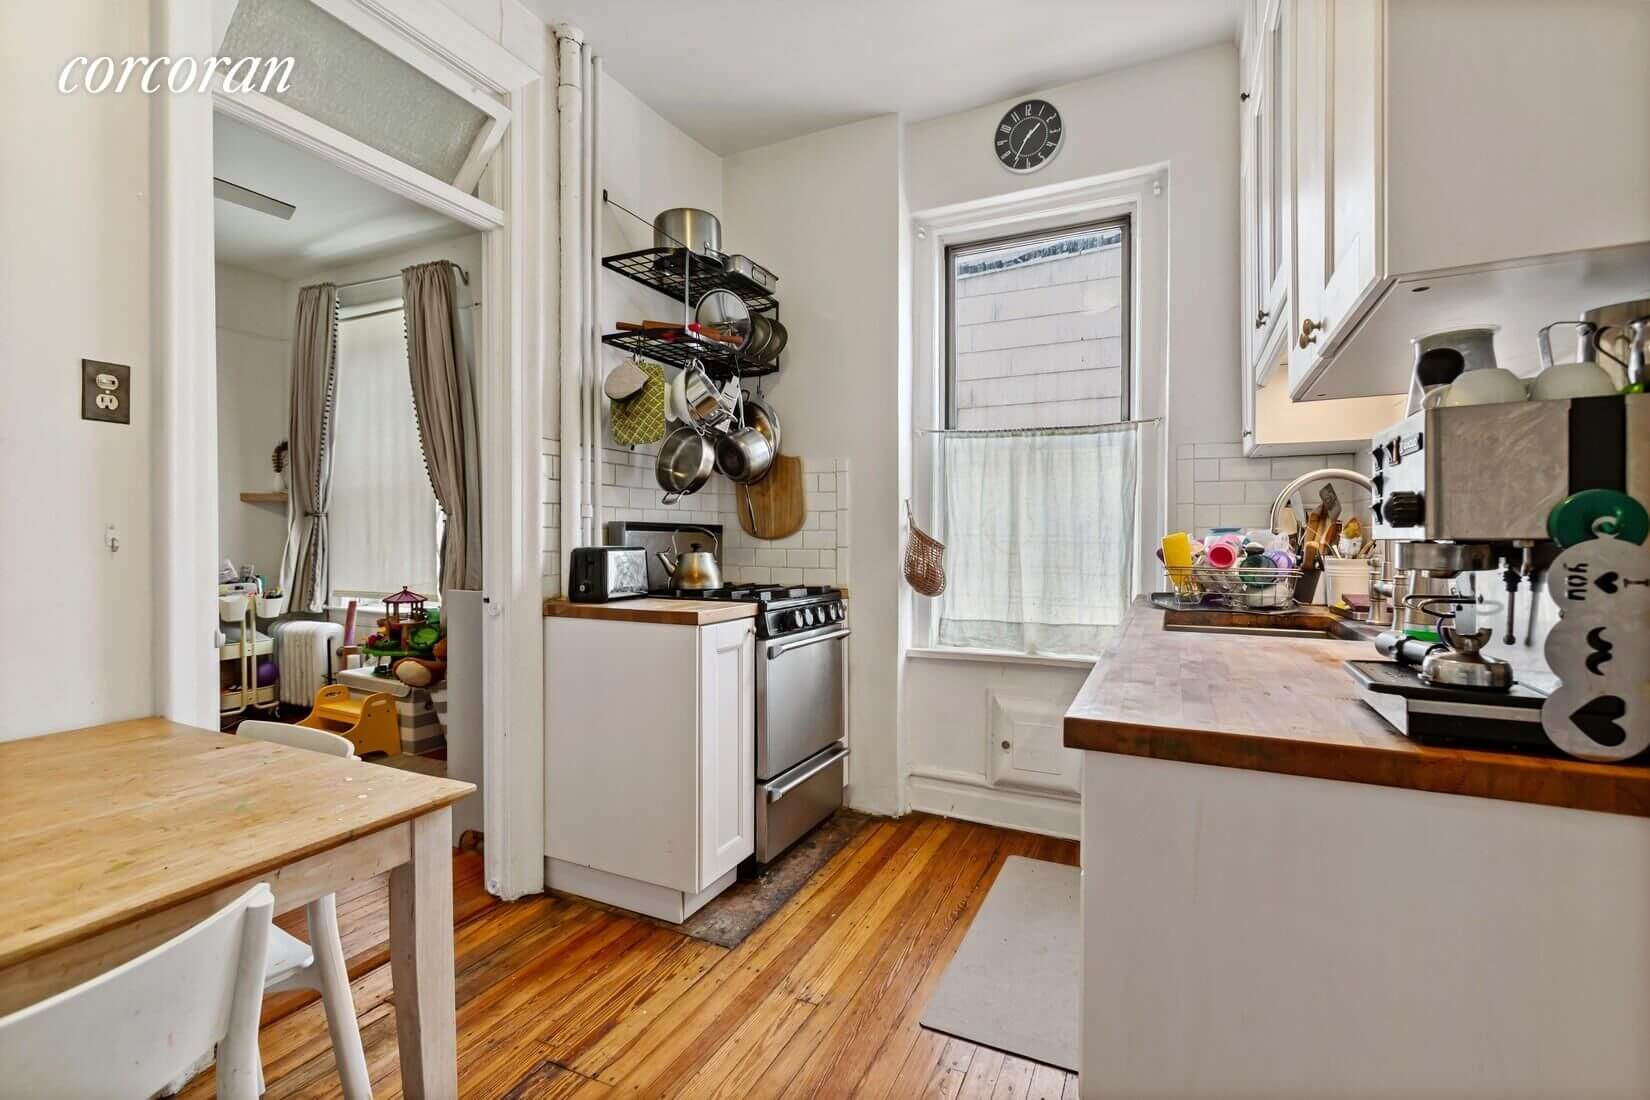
(774, 507)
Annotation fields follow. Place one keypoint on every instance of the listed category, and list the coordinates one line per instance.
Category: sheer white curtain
(383, 513)
(1039, 534)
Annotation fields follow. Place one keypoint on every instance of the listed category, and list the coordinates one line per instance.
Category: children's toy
(369, 723)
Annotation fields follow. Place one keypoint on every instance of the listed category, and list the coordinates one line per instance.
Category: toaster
(602, 573)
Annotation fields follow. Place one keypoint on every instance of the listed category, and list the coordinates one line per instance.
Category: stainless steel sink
(1299, 623)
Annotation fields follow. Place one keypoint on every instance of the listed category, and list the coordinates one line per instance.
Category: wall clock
(1028, 136)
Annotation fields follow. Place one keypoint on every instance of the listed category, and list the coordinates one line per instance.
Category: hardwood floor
(561, 998)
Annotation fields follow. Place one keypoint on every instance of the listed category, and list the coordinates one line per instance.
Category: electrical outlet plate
(105, 391)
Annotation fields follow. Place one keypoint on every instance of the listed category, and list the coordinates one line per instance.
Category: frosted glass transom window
(347, 81)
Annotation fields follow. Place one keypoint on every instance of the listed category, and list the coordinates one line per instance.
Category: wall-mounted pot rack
(686, 276)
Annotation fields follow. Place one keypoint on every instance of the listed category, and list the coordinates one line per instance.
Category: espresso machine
(1466, 489)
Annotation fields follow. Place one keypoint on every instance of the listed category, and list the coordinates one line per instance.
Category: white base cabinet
(650, 760)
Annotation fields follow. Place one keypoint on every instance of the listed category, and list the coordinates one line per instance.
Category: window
(383, 519)
(1038, 466)
(1037, 335)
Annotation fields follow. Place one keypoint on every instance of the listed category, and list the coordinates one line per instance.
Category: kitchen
(1046, 556)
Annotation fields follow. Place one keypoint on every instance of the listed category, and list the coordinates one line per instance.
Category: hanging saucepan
(685, 462)
(758, 413)
(744, 454)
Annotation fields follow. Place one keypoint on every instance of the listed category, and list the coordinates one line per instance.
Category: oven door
(801, 704)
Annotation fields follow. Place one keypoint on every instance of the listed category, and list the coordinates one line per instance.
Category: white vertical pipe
(570, 180)
(598, 435)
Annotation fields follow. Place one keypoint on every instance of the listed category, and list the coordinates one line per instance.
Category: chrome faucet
(1315, 475)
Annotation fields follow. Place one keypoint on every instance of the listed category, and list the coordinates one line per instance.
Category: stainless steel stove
(801, 705)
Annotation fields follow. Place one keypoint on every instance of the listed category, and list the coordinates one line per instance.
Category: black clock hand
(1021, 150)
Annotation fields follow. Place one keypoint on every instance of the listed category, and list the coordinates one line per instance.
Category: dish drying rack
(1240, 588)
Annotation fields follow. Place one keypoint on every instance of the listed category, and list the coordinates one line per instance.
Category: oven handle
(831, 757)
(783, 648)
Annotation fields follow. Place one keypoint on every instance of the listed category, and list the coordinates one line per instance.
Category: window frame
(948, 384)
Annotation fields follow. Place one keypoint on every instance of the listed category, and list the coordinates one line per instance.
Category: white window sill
(997, 657)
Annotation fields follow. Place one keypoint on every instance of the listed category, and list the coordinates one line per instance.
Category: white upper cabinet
(1267, 194)
(1337, 133)
(1460, 163)
(1284, 272)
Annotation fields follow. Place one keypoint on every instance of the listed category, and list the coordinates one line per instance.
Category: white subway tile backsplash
(1243, 515)
(1218, 450)
(1245, 469)
(1218, 492)
(787, 576)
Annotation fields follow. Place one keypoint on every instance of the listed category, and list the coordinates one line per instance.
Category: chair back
(133, 1030)
(297, 737)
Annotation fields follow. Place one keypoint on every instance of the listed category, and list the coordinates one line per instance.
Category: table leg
(421, 961)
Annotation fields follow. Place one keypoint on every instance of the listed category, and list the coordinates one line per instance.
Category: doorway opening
(333, 608)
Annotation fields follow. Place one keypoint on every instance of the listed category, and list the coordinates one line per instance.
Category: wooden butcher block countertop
(1286, 705)
(648, 609)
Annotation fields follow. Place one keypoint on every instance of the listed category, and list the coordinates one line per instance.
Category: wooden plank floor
(560, 998)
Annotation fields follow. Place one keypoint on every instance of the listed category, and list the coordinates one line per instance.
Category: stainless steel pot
(687, 227)
(744, 455)
(686, 461)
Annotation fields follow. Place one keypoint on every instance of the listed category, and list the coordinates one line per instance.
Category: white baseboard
(970, 798)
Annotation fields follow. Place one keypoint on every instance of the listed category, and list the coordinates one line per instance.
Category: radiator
(305, 652)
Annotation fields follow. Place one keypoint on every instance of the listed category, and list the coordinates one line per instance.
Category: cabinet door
(1276, 223)
(1338, 76)
(727, 747)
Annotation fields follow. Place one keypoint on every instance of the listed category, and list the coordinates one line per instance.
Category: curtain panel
(383, 523)
(443, 388)
(305, 569)
(1040, 536)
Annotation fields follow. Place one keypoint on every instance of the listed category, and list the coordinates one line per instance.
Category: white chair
(319, 964)
(128, 1032)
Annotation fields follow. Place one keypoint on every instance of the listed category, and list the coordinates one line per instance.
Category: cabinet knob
(1260, 318)
(1310, 330)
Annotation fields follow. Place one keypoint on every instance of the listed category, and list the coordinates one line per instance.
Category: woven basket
(924, 559)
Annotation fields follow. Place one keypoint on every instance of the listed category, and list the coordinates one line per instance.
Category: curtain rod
(1063, 429)
(391, 309)
(465, 275)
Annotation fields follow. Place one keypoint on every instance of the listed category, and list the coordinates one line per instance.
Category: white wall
(74, 283)
(254, 394)
(823, 211)
(1176, 112)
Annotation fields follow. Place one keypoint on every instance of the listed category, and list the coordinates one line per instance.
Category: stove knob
(836, 613)
(1405, 509)
(810, 616)
(797, 620)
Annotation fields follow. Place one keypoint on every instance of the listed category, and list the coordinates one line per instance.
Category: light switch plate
(105, 391)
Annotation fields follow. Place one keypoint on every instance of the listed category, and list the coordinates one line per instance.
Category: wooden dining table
(115, 838)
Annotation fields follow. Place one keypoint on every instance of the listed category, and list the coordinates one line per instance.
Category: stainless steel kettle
(697, 569)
